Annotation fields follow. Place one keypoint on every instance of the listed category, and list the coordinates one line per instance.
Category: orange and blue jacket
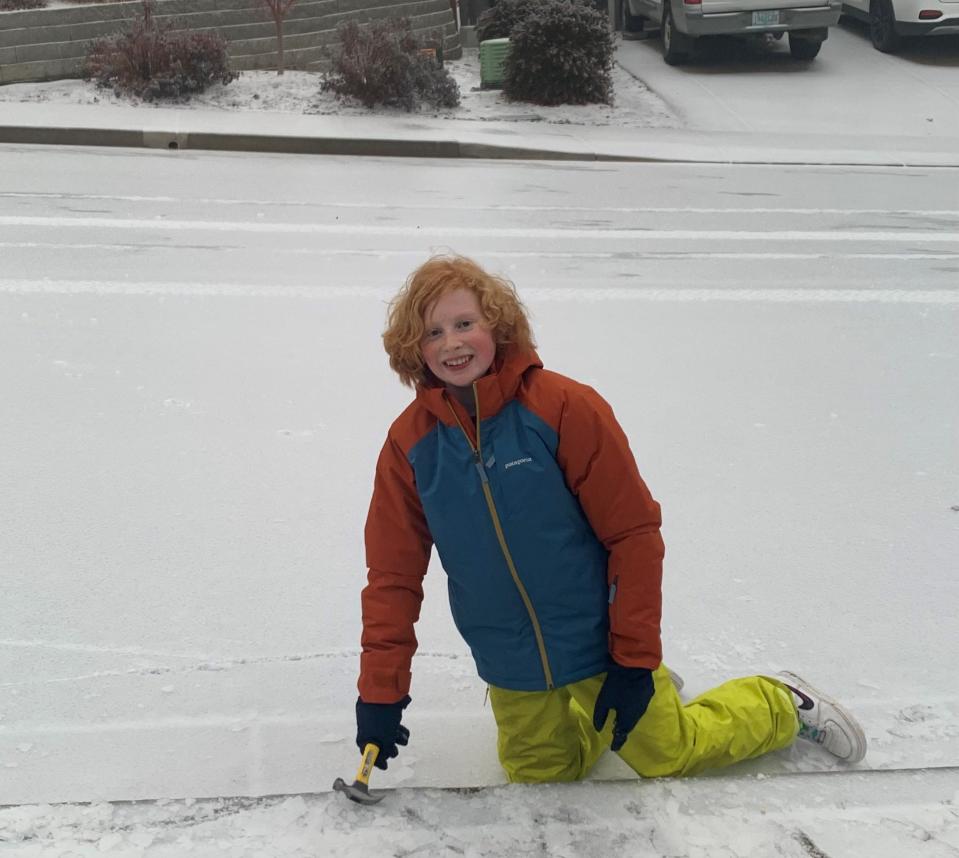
(547, 533)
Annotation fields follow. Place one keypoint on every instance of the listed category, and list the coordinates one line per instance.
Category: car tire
(882, 26)
(803, 49)
(675, 51)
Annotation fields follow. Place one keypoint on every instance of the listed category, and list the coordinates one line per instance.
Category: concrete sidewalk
(428, 137)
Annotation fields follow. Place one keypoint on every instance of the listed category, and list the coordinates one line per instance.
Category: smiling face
(458, 346)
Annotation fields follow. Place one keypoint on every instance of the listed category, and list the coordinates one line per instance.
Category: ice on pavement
(900, 814)
(192, 463)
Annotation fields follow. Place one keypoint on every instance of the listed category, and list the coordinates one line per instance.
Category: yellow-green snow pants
(549, 735)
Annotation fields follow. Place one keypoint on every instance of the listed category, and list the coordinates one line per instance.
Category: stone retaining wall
(50, 44)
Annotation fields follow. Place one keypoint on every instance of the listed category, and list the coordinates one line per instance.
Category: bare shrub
(151, 61)
(384, 63)
(20, 5)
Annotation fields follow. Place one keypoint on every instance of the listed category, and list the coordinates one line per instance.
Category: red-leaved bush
(19, 5)
(151, 61)
(384, 63)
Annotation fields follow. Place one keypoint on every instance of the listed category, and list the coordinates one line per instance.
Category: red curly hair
(503, 312)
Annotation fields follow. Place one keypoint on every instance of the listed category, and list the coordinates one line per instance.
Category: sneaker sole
(851, 723)
(676, 679)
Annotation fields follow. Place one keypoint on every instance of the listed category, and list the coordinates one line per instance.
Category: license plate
(766, 19)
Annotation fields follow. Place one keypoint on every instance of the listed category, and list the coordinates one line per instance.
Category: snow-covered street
(194, 396)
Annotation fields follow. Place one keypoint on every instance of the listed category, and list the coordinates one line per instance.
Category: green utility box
(492, 59)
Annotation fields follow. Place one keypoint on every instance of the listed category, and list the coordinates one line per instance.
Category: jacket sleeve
(398, 547)
(600, 470)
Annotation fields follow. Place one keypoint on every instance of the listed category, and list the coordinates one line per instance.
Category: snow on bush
(151, 61)
(561, 55)
(384, 63)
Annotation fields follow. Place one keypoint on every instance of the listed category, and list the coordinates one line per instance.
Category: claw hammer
(359, 790)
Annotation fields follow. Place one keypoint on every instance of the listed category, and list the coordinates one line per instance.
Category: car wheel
(882, 26)
(673, 50)
(803, 49)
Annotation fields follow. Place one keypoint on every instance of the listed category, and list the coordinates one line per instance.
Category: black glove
(379, 723)
(628, 690)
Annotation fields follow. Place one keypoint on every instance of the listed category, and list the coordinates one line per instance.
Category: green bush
(384, 63)
(498, 21)
(561, 55)
(151, 61)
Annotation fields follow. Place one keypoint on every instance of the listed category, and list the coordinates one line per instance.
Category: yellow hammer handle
(370, 753)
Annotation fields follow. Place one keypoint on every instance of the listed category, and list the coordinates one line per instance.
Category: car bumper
(940, 27)
(741, 23)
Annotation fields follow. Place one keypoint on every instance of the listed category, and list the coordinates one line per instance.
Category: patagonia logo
(525, 461)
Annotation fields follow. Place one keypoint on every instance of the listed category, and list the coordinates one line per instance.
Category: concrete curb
(419, 147)
(289, 144)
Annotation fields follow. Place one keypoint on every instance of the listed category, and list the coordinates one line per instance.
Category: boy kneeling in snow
(524, 481)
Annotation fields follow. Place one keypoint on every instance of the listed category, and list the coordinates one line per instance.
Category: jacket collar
(494, 389)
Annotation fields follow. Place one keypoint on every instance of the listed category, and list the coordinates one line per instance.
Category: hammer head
(356, 791)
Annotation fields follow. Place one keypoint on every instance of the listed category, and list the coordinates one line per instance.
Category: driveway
(851, 88)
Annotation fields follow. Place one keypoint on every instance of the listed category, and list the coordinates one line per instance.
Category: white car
(890, 20)
(683, 21)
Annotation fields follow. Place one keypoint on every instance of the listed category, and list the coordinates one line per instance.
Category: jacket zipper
(477, 449)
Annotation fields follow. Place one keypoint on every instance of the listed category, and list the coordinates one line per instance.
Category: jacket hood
(495, 389)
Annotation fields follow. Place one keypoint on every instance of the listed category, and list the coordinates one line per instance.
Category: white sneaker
(823, 721)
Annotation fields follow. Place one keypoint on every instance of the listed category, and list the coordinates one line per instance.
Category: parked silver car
(681, 22)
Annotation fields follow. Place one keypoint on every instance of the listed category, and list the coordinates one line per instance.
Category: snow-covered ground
(899, 815)
(634, 105)
(187, 480)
